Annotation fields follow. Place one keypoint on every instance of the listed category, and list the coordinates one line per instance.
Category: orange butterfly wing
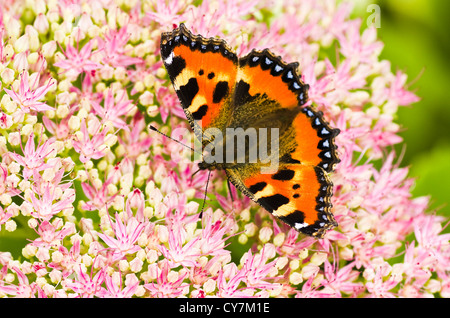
(269, 93)
(203, 72)
(299, 195)
(267, 75)
(299, 192)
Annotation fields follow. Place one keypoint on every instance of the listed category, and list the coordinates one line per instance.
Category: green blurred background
(417, 41)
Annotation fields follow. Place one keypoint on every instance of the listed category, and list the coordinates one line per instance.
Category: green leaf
(15, 241)
(432, 174)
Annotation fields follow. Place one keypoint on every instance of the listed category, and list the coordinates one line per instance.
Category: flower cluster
(113, 208)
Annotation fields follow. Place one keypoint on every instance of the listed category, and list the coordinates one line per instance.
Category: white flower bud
(13, 27)
(7, 76)
(41, 24)
(49, 49)
(22, 44)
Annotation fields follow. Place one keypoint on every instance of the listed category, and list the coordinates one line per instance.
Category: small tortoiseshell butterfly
(259, 90)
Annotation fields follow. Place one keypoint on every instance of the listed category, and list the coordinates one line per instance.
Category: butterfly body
(248, 114)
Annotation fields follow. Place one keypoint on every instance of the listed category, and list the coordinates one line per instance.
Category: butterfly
(222, 93)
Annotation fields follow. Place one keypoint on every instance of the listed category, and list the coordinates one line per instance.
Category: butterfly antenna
(195, 173)
(204, 198)
(167, 136)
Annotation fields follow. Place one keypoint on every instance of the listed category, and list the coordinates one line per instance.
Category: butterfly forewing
(203, 72)
(261, 73)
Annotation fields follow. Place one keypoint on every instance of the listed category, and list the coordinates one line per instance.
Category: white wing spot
(169, 59)
(324, 131)
(299, 226)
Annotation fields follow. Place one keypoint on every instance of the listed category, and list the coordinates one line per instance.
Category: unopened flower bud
(7, 76)
(49, 49)
(41, 24)
(22, 44)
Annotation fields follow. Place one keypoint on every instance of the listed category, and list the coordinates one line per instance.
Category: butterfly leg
(229, 190)
(206, 192)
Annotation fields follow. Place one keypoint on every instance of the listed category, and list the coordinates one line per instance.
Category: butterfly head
(204, 165)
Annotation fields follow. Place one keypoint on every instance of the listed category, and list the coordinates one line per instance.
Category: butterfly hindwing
(299, 195)
(310, 140)
(299, 192)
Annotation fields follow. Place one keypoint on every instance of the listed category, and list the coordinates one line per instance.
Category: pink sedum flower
(126, 236)
(50, 236)
(381, 287)
(178, 252)
(228, 282)
(47, 205)
(4, 216)
(24, 289)
(84, 285)
(165, 287)
(90, 148)
(114, 288)
(5, 184)
(33, 158)
(113, 48)
(112, 110)
(134, 142)
(78, 61)
(29, 95)
(98, 198)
